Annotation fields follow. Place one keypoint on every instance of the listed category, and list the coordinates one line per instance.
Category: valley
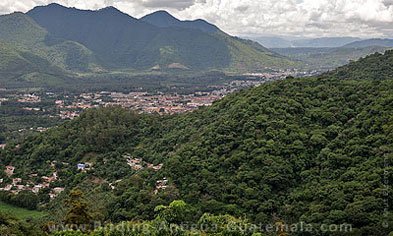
(271, 147)
(156, 125)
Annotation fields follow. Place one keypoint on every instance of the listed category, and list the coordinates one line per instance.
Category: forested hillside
(22, 32)
(297, 150)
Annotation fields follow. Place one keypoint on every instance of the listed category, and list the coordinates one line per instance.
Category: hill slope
(370, 42)
(123, 42)
(309, 150)
(22, 31)
(15, 63)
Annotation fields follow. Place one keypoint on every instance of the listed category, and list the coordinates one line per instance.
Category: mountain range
(327, 42)
(279, 42)
(83, 41)
(370, 42)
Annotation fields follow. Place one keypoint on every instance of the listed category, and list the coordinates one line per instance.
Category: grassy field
(21, 213)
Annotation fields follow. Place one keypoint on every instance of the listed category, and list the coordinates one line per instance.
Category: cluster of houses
(161, 184)
(162, 103)
(68, 115)
(16, 186)
(29, 98)
(139, 164)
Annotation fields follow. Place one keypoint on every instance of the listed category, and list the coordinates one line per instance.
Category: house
(137, 167)
(3, 146)
(112, 186)
(81, 167)
(15, 181)
(33, 175)
(37, 188)
(45, 178)
(150, 165)
(158, 167)
(88, 165)
(58, 190)
(8, 187)
(53, 164)
(9, 170)
(20, 187)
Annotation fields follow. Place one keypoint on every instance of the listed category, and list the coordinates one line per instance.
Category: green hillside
(15, 63)
(108, 40)
(122, 42)
(21, 31)
(246, 54)
(307, 149)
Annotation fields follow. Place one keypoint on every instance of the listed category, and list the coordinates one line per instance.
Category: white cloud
(312, 18)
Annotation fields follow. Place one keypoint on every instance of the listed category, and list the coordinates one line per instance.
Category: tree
(175, 213)
(79, 211)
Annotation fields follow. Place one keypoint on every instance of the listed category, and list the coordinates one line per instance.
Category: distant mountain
(324, 42)
(328, 58)
(121, 42)
(108, 40)
(370, 42)
(164, 19)
(273, 42)
(21, 31)
(278, 42)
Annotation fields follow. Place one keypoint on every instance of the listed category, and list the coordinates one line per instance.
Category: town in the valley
(62, 107)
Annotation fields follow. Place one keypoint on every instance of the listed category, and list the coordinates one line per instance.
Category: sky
(253, 18)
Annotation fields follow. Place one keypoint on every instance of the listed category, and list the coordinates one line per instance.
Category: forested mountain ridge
(370, 42)
(106, 40)
(305, 149)
(164, 19)
(379, 67)
(21, 31)
(15, 62)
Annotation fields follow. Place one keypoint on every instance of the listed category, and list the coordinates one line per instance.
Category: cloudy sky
(302, 18)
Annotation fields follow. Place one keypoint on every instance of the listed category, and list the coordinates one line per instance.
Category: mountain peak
(110, 9)
(55, 5)
(161, 19)
(161, 12)
(164, 19)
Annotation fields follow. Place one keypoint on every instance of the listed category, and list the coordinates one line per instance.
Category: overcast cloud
(303, 18)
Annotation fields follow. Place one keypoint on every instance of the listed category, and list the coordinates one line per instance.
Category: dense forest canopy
(297, 150)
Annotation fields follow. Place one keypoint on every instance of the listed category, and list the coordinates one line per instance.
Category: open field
(21, 213)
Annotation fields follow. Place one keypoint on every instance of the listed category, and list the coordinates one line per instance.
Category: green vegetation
(298, 150)
(43, 50)
(50, 47)
(168, 222)
(16, 62)
(20, 213)
(247, 54)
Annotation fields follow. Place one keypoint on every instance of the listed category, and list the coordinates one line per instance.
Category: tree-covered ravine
(316, 151)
